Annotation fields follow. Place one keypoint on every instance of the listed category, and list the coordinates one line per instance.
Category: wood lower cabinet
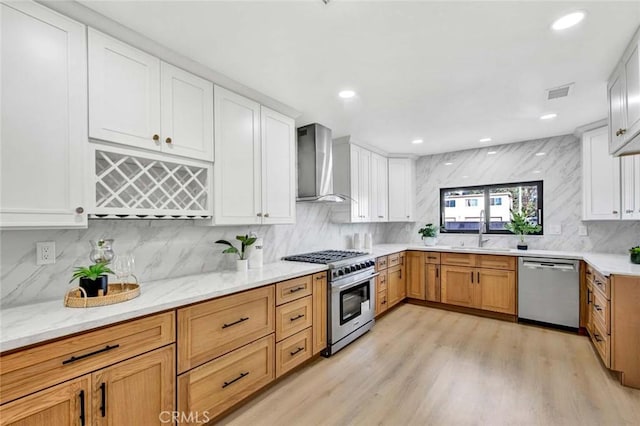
(432, 281)
(396, 281)
(320, 322)
(391, 283)
(458, 286)
(415, 268)
(67, 404)
(292, 351)
(293, 317)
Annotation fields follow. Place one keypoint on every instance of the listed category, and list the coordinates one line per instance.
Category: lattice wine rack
(145, 185)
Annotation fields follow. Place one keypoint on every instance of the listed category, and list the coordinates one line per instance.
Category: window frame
(487, 207)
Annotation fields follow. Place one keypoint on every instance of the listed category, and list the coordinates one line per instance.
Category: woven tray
(117, 293)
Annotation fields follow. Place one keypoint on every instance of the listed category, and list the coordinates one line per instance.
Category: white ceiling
(446, 72)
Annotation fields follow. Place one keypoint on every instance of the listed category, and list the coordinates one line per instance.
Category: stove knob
(372, 263)
(358, 267)
(340, 272)
(353, 268)
(364, 265)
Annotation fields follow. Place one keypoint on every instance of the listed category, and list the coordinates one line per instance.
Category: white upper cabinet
(630, 187)
(379, 188)
(278, 167)
(43, 118)
(352, 177)
(139, 101)
(187, 114)
(401, 190)
(254, 171)
(601, 178)
(615, 92)
(124, 93)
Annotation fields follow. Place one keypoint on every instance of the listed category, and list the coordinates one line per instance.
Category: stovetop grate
(325, 256)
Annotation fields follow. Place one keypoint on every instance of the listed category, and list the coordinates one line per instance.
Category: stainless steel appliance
(351, 294)
(549, 292)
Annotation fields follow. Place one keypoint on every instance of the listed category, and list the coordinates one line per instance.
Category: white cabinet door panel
(630, 187)
(616, 110)
(631, 63)
(401, 189)
(364, 185)
(278, 167)
(379, 188)
(43, 118)
(601, 178)
(124, 93)
(237, 172)
(187, 114)
(354, 170)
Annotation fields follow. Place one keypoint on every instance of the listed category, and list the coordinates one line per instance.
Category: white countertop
(29, 324)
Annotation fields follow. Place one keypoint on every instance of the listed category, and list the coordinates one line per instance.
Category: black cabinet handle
(383, 302)
(478, 277)
(400, 277)
(294, 290)
(431, 257)
(588, 297)
(79, 357)
(242, 319)
(103, 399)
(598, 307)
(296, 318)
(471, 277)
(321, 277)
(296, 351)
(437, 272)
(597, 337)
(82, 415)
(235, 380)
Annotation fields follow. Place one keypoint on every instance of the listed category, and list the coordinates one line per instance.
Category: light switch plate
(555, 230)
(582, 231)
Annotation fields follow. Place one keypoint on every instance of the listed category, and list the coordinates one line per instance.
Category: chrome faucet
(482, 229)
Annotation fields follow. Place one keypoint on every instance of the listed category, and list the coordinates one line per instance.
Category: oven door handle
(369, 278)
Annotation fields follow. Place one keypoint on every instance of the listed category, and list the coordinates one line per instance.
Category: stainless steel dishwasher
(549, 292)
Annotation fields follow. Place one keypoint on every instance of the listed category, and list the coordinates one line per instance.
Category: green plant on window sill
(519, 225)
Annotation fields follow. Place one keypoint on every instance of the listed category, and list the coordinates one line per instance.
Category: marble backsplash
(560, 170)
(162, 249)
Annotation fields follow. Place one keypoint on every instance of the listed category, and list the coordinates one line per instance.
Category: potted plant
(635, 254)
(242, 263)
(93, 278)
(429, 234)
(521, 226)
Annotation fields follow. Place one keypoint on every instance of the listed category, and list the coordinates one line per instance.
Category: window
(490, 205)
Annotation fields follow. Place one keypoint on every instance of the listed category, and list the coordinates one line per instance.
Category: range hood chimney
(315, 165)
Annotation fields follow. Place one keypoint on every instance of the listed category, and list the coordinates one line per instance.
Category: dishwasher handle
(569, 267)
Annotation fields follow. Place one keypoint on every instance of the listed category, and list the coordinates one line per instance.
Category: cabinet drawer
(381, 263)
(381, 302)
(293, 317)
(600, 282)
(601, 311)
(458, 259)
(393, 260)
(36, 368)
(602, 343)
(221, 383)
(431, 257)
(297, 288)
(381, 281)
(496, 262)
(293, 351)
(210, 329)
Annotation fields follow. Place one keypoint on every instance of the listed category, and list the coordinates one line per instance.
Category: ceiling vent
(559, 92)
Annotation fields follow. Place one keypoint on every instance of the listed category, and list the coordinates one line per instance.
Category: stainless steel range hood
(315, 165)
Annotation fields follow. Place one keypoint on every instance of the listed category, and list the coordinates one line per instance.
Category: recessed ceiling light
(536, 172)
(548, 116)
(492, 152)
(568, 21)
(485, 140)
(540, 154)
(465, 176)
(346, 94)
(448, 164)
(417, 141)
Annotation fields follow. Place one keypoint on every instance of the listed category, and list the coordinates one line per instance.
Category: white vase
(242, 265)
(430, 241)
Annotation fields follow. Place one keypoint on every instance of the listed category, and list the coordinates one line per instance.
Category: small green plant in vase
(242, 262)
(429, 234)
(521, 226)
(93, 279)
(635, 254)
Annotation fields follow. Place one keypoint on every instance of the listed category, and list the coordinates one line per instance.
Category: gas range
(341, 263)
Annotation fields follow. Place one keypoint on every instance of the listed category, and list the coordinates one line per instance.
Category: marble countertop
(25, 325)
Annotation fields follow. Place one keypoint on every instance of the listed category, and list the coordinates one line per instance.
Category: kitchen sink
(469, 248)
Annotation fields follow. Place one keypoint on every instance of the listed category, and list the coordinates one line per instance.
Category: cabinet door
(630, 187)
(124, 93)
(319, 312)
(354, 169)
(278, 167)
(43, 118)
(364, 185)
(187, 114)
(433, 282)
(497, 290)
(237, 169)
(379, 188)
(458, 286)
(415, 266)
(401, 188)
(631, 65)
(395, 286)
(601, 178)
(67, 404)
(615, 95)
(136, 391)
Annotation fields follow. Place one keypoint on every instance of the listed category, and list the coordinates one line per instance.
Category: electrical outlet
(555, 229)
(582, 231)
(46, 253)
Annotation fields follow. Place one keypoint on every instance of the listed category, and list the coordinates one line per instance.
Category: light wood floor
(422, 366)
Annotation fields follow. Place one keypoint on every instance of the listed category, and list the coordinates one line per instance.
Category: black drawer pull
(597, 337)
(437, 272)
(79, 357)
(242, 319)
(296, 318)
(103, 399)
(598, 307)
(431, 257)
(321, 277)
(296, 351)
(235, 380)
(294, 290)
(82, 415)
(384, 302)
